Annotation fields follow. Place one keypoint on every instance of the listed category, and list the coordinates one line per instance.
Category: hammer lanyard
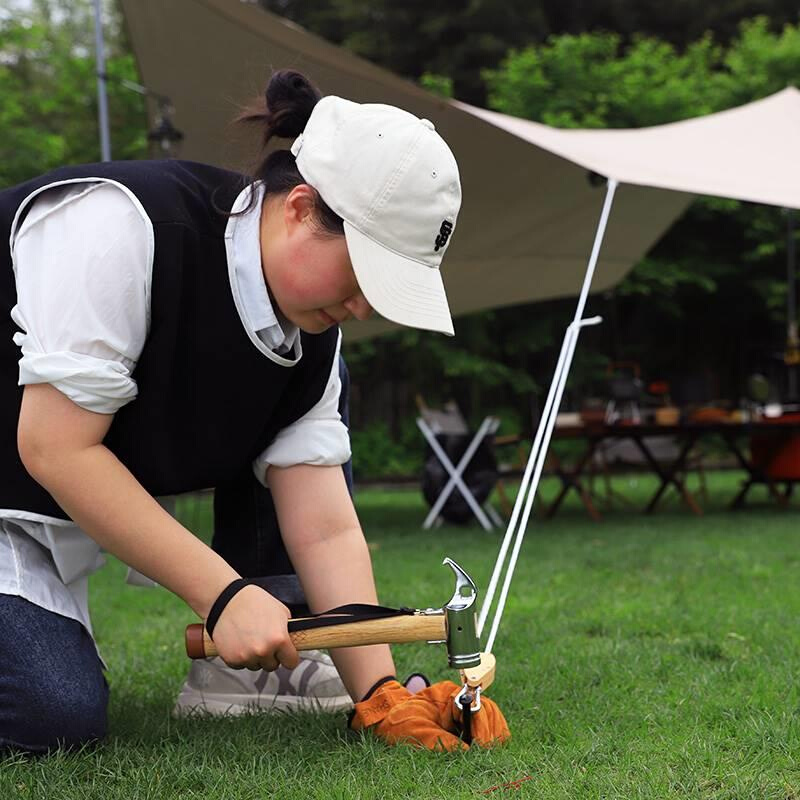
(341, 615)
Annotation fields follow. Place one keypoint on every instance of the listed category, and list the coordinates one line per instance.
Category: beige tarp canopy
(528, 216)
(745, 153)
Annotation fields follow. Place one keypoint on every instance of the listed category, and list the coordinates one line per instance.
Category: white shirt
(83, 261)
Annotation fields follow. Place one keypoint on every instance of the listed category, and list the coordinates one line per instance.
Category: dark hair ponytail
(283, 112)
(285, 107)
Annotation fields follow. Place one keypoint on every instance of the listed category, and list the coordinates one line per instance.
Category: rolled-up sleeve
(319, 437)
(83, 264)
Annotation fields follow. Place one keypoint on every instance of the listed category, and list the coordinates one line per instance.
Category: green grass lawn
(643, 656)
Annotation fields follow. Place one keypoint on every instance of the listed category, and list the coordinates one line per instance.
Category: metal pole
(102, 101)
(791, 305)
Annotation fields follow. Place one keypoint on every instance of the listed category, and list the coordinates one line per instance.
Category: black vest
(209, 401)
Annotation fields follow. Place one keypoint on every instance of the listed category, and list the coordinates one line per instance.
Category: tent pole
(102, 101)
(543, 434)
(791, 307)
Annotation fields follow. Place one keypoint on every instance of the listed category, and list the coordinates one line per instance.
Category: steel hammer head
(463, 648)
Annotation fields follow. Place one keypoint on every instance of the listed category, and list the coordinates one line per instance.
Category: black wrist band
(224, 598)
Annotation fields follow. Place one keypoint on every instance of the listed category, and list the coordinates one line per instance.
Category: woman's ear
(298, 207)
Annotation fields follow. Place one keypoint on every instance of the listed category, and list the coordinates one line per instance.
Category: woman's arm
(326, 545)
(60, 445)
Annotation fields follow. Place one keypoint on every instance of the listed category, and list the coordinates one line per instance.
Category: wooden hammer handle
(407, 628)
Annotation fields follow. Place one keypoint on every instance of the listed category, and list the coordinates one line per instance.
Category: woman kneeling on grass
(133, 386)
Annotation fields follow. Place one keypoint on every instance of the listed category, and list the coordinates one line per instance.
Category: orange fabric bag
(428, 718)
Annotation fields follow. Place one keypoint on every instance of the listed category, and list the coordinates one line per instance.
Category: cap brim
(399, 289)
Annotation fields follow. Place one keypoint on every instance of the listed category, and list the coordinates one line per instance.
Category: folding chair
(449, 421)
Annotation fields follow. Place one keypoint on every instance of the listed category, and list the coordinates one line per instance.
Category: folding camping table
(671, 473)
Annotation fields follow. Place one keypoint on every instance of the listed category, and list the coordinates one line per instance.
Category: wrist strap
(224, 598)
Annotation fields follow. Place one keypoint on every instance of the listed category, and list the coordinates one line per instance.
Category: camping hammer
(454, 624)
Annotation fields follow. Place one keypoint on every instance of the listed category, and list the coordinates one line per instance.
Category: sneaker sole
(236, 705)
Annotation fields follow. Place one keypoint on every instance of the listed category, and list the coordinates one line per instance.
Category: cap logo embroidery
(444, 235)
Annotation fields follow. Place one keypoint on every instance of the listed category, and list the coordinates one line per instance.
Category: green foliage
(593, 80)
(761, 62)
(377, 454)
(441, 85)
(469, 356)
(651, 280)
(589, 81)
(48, 116)
(488, 359)
(460, 38)
(415, 38)
(723, 254)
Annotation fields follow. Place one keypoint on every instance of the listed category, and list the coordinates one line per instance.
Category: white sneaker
(212, 687)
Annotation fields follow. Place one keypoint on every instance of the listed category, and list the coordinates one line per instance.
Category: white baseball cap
(395, 183)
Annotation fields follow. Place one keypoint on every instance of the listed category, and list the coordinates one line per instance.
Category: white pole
(102, 101)
(523, 488)
(544, 432)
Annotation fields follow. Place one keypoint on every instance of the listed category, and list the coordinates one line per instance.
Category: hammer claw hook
(466, 592)
(463, 649)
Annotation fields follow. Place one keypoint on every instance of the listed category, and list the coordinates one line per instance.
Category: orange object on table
(778, 457)
(709, 414)
(668, 415)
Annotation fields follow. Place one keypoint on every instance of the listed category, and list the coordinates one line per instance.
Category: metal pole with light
(164, 136)
(102, 99)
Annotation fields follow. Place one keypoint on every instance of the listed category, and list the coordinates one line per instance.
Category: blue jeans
(52, 688)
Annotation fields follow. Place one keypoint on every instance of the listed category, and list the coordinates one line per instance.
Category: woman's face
(309, 275)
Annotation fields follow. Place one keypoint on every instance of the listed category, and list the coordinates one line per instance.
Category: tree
(461, 38)
(48, 116)
(675, 308)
